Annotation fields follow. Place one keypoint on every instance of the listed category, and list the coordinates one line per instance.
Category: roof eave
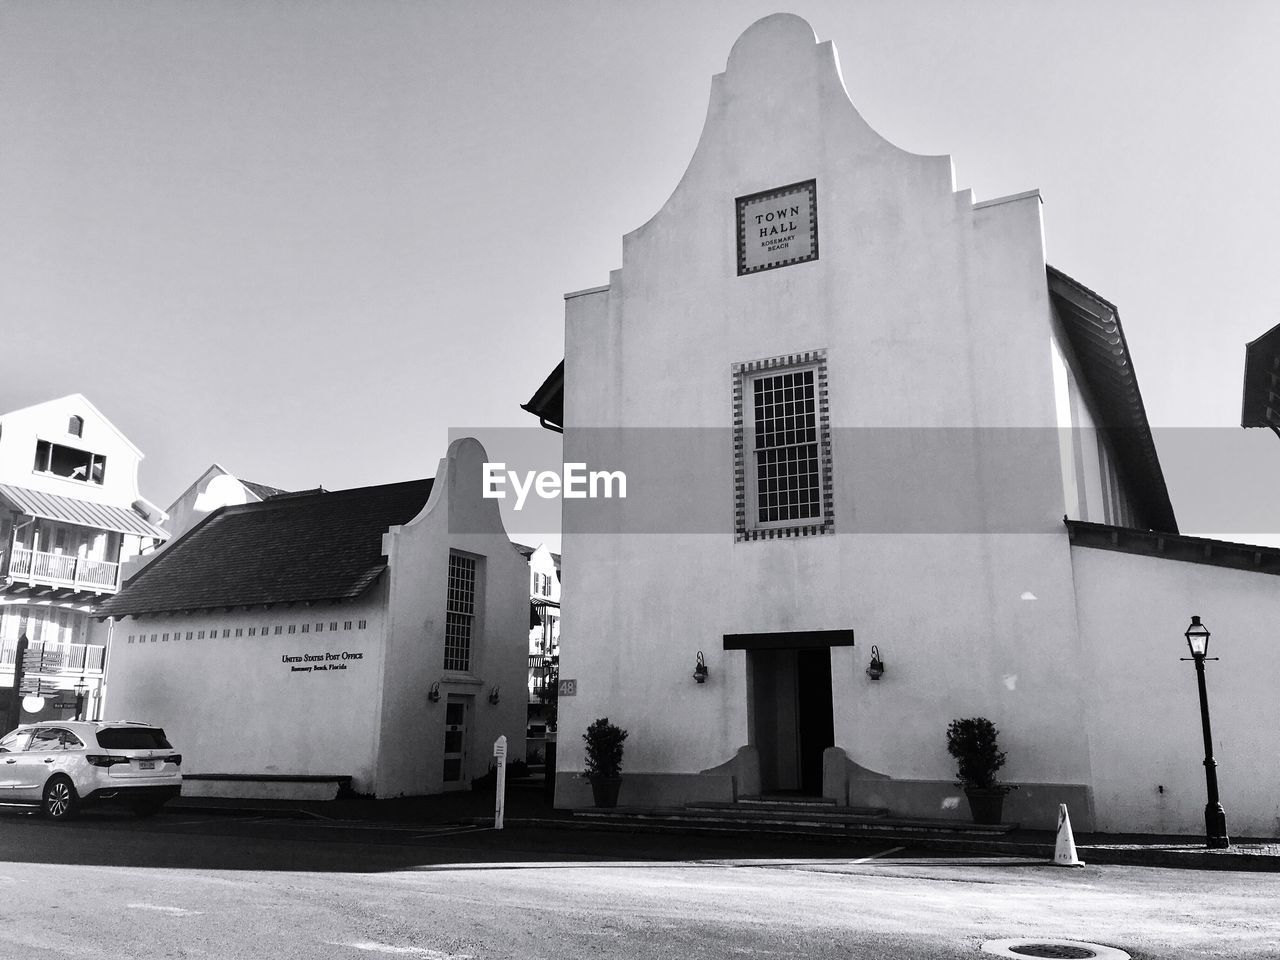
(1099, 320)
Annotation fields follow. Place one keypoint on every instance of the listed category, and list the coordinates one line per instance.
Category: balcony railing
(57, 658)
(64, 570)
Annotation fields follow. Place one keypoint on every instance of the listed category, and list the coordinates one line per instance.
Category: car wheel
(148, 809)
(59, 801)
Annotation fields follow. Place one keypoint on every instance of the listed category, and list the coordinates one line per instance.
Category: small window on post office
(75, 426)
(460, 612)
(782, 448)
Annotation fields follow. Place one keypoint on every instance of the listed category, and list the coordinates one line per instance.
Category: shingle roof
(261, 490)
(311, 547)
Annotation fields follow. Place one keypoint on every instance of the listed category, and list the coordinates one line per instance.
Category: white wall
(21, 429)
(1096, 491)
(934, 312)
(1143, 706)
(233, 705)
(454, 518)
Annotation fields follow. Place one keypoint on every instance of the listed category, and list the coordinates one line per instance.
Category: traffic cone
(1064, 851)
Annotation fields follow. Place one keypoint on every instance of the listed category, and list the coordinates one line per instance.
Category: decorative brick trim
(809, 187)
(742, 530)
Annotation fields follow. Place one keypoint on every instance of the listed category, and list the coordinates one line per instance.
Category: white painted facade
(220, 682)
(1141, 701)
(53, 570)
(930, 316)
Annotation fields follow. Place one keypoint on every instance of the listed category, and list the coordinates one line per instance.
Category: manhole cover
(1052, 949)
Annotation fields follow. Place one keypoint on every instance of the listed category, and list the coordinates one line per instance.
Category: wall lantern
(701, 671)
(495, 694)
(434, 693)
(876, 669)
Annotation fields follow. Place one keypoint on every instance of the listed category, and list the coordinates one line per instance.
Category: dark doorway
(817, 729)
(791, 717)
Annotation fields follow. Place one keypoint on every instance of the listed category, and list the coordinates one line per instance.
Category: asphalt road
(209, 886)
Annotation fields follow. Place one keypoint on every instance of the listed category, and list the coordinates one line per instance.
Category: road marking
(411, 951)
(877, 856)
(449, 831)
(175, 911)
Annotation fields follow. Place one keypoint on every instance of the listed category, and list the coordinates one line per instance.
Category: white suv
(63, 764)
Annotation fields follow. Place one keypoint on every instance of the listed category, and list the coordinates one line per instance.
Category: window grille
(788, 479)
(460, 611)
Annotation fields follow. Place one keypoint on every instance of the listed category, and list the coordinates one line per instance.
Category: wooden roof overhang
(547, 402)
(1261, 407)
(1092, 326)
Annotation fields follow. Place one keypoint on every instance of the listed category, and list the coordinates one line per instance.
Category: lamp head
(701, 671)
(876, 668)
(1197, 638)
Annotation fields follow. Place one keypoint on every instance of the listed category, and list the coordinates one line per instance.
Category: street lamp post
(1215, 818)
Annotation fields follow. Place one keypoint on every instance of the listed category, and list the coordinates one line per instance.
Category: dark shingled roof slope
(261, 490)
(319, 546)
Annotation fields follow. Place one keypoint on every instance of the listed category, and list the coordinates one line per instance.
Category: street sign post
(499, 803)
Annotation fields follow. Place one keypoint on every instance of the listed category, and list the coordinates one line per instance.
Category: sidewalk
(527, 807)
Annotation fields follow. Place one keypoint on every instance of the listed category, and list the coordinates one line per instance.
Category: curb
(1091, 854)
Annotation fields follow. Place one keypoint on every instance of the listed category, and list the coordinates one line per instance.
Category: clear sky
(304, 239)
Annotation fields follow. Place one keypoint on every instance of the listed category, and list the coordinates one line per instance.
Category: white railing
(58, 658)
(64, 570)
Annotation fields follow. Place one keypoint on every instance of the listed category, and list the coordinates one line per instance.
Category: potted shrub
(973, 742)
(604, 761)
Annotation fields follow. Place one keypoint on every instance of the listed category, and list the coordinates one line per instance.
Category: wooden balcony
(58, 659)
(64, 570)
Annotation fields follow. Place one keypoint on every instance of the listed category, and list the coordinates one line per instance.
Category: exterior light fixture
(81, 688)
(876, 668)
(495, 694)
(1198, 638)
(434, 693)
(1215, 818)
(701, 671)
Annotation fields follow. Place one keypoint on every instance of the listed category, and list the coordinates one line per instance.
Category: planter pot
(986, 804)
(604, 791)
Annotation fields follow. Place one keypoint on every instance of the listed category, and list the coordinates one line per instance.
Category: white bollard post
(500, 800)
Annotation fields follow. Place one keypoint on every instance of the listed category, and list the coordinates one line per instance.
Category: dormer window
(69, 463)
(75, 426)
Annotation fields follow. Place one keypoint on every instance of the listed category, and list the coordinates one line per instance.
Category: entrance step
(833, 822)
(753, 806)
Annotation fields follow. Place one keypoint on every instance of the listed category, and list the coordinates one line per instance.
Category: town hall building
(866, 425)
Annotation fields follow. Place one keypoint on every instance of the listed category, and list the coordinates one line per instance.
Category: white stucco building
(373, 637)
(544, 646)
(70, 517)
(854, 405)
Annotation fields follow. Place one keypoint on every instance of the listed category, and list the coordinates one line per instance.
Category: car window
(70, 741)
(133, 738)
(12, 742)
(44, 740)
